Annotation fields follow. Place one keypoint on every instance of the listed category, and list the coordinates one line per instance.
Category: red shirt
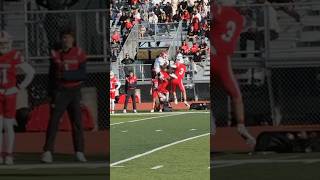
(113, 83)
(185, 15)
(116, 37)
(227, 26)
(185, 48)
(164, 82)
(8, 72)
(68, 61)
(194, 48)
(180, 70)
(128, 25)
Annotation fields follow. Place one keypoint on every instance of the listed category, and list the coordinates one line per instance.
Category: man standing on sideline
(67, 72)
(130, 88)
(10, 61)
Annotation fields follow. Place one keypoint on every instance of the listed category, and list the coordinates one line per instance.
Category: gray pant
(66, 99)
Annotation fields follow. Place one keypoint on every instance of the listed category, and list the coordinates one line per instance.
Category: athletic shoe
(160, 110)
(135, 111)
(112, 112)
(187, 104)
(152, 110)
(246, 135)
(47, 157)
(124, 111)
(80, 157)
(8, 160)
(176, 101)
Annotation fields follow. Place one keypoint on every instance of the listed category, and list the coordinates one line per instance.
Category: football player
(10, 61)
(154, 92)
(114, 86)
(177, 80)
(227, 26)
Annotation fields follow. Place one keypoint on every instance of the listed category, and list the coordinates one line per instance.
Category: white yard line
(54, 166)
(157, 113)
(157, 167)
(157, 149)
(144, 119)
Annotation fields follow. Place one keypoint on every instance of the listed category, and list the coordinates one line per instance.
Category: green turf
(187, 161)
(180, 161)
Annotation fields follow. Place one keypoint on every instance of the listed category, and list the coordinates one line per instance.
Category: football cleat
(242, 130)
(8, 160)
(47, 157)
(80, 157)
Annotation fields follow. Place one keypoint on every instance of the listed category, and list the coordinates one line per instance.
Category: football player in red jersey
(154, 91)
(114, 86)
(10, 60)
(67, 73)
(227, 26)
(164, 79)
(177, 80)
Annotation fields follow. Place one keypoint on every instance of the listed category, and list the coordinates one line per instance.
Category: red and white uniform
(155, 88)
(164, 82)
(114, 83)
(227, 26)
(8, 72)
(179, 72)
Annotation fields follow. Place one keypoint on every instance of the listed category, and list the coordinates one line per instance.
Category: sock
(10, 135)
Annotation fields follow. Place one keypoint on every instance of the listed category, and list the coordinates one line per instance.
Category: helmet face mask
(5, 42)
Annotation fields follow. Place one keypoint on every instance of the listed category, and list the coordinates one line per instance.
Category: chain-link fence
(276, 65)
(36, 32)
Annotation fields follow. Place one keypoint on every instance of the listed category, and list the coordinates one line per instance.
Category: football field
(160, 146)
(294, 166)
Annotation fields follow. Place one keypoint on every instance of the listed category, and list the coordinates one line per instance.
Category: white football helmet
(5, 42)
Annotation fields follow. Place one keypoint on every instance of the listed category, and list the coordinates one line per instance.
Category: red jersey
(113, 83)
(180, 70)
(68, 61)
(164, 82)
(8, 69)
(227, 26)
(155, 84)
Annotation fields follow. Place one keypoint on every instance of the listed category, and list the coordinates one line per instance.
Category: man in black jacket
(130, 88)
(67, 72)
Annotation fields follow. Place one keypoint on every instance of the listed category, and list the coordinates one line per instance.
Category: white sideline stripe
(137, 120)
(157, 149)
(157, 167)
(118, 166)
(54, 166)
(157, 113)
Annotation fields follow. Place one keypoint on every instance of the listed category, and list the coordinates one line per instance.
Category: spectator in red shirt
(194, 49)
(185, 48)
(128, 24)
(116, 37)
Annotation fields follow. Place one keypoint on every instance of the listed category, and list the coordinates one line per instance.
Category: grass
(185, 160)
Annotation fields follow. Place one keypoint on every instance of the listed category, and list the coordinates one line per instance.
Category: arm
(118, 85)
(29, 71)
(76, 75)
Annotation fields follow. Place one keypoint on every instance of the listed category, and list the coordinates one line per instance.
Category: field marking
(157, 167)
(193, 129)
(54, 166)
(124, 131)
(229, 163)
(157, 149)
(148, 118)
(157, 113)
(159, 130)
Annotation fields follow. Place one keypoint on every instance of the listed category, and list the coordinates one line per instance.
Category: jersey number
(231, 29)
